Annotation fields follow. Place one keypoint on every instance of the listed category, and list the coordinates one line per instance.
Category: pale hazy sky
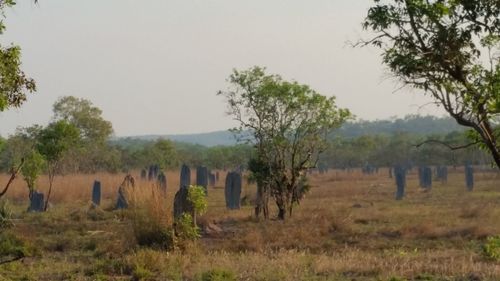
(154, 66)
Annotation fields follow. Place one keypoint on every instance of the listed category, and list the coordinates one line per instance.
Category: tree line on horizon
(98, 151)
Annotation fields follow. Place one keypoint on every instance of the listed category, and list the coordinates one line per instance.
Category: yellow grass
(349, 227)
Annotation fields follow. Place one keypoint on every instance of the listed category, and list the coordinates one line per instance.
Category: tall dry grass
(348, 227)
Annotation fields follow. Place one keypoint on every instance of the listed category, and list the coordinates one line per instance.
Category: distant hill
(418, 125)
(205, 139)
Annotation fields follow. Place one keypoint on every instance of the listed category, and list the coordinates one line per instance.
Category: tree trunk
(494, 152)
(13, 176)
(491, 142)
(262, 201)
(281, 213)
(485, 132)
(51, 180)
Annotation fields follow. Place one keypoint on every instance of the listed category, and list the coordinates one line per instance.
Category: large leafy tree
(450, 49)
(85, 116)
(288, 123)
(94, 153)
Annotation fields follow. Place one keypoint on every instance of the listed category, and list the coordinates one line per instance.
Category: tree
(14, 84)
(288, 123)
(450, 49)
(34, 164)
(94, 153)
(16, 151)
(163, 153)
(85, 116)
(53, 142)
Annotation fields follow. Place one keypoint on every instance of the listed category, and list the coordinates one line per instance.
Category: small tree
(450, 50)
(288, 123)
(186, 227)
(34, 164)
(53, 142)
(17, 151)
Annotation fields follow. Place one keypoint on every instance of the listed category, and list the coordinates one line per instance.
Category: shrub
(217, 275)
(198, 198)
(396, 279)
(491, 249)
(151, 232)
(185, 228)
(185, 225)
(5, 215)
(11, 248)
(141, 273)
(151, 221)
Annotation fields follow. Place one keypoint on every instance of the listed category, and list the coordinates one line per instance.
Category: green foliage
(14, 84)
(491, 248)
(56, 139)
(287, 122)
(185, 229)
(18, 146)
(451, 51)
(140, 273)
(34, 163)
(12, 247)
(396, 279)
(5, 216)
(217, 275)
(198, 198)
(93, 153)
(161, 152)
(85, 116)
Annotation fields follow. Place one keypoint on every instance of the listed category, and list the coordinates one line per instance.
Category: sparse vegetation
(491, 248)
(120, 211)
(348, 227)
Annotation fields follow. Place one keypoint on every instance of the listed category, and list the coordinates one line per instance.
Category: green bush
(217, 275)
(198, 198)
(5, 215)
(185, 228)
(491, 249)
(141, 273)
(12, 247)
(396, 279)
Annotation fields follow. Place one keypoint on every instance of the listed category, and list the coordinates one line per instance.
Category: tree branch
(12, 260)
(13, 176)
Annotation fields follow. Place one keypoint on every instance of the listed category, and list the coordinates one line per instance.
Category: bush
(11, 247)
(151, 219)
(217, 275)
(185, 229)
(198, 198)
(185, 225)
(491, 249)
(151, 232)
(5, 215)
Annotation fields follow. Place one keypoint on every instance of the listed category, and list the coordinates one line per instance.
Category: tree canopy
(85, 116)
(288, 124)
(450, 49)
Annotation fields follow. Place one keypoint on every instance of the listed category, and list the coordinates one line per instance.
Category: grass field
(349, 227)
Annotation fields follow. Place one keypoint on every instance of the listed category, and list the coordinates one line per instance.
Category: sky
(155, 66)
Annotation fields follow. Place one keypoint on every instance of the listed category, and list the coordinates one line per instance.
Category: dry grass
(349, 227)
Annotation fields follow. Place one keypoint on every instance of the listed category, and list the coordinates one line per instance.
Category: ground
(349, 227)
